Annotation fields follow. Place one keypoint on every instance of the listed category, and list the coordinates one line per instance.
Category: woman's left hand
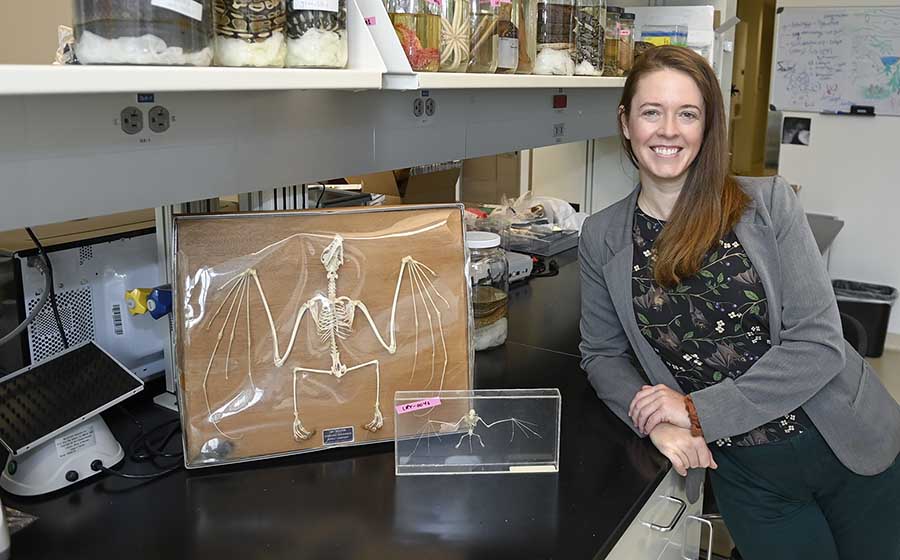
(655, 404)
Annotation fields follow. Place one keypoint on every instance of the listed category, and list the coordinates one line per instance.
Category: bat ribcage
(333, 319)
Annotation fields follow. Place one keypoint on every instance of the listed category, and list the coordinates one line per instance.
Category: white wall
(563, 172)
(560, 171)
(851, 170)
(614, 175)
(29, 36)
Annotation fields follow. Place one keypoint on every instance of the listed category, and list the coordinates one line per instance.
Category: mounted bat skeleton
(335, 320)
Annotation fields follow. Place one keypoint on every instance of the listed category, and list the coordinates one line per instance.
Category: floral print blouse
(710, 326)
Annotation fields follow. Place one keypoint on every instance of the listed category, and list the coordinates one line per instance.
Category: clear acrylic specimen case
(295, 329)
(477, 432)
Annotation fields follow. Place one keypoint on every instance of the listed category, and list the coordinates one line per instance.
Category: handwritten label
(438, 3)
(73, 442)
(370, 21)
(316, 5)
(189, 8)
(418, 405)
(335, 436)
(625, 33)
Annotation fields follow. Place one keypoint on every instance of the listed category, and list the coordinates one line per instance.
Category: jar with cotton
(152, 32)
(250, 33)
(590, 31)
(317, 33)
(555, 38)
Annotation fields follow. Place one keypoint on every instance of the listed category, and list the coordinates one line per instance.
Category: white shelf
(48, 79)
(447, 80)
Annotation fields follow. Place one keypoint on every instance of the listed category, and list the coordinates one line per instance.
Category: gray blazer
(808, 365)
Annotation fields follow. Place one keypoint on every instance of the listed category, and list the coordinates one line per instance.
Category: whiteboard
(827, 59)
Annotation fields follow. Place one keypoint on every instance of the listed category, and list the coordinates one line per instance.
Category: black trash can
(870, 304)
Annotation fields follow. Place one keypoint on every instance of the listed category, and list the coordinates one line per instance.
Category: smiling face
(665, 127)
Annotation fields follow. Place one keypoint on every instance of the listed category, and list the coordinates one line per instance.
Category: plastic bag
(294, 329)
(540, 210)
(17, 520)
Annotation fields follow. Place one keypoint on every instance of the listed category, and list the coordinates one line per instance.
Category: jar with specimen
(456, 35)
(611, 44)
(317, 33)
(418, 26)
(626, 42)
(508, 44)
(489, 274)
(555, 37)
(162, 32)
(483, 52)
(590, 25)
(525, 19)
(250, 32)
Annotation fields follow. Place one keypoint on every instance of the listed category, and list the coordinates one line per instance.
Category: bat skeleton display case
(484, 431)
(295, 329)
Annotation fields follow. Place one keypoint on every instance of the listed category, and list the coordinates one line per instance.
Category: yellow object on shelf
(661, 35)
(136, 300)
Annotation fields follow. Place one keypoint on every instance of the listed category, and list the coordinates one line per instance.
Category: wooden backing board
(254, 410)
(78, 230)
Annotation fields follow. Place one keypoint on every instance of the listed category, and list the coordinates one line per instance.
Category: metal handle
(682, 506)
(705, 519)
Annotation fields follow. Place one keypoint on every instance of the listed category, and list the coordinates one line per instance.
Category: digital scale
(50, 418)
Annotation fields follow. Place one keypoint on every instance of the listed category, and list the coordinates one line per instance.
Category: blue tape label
(335, 436)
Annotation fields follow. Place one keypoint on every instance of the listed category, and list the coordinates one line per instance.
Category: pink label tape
(370, 20)
(418, 405)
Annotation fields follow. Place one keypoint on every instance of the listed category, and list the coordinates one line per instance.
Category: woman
(709, 323)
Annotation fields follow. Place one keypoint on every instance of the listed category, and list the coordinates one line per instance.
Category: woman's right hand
(681, 448)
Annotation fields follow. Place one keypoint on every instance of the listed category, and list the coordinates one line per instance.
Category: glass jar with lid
(489, 276)
(484, 44)
(418, 27)
(317, 33)
(626, 42)
(611, 42)
(144, 32)
(456, 35)
(525, 19)
(590, 26)
(250, 33)
(507, 36)
(555, 38)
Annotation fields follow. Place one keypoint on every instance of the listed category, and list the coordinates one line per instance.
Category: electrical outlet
(418, 107)
(559, 130)
(132, 120)
(430, 107)
(159, 119)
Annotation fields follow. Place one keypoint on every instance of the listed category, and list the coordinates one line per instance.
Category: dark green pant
(793, 500)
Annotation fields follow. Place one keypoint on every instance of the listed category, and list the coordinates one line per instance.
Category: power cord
(321, 196)
(45, 294)
(146, 448)
(97, 465)
(49, 272)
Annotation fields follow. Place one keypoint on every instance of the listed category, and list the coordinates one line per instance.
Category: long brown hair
(711, 202)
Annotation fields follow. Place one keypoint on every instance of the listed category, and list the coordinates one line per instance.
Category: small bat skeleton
(469, 423)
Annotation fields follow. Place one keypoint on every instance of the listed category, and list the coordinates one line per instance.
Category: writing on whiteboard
(831, 58)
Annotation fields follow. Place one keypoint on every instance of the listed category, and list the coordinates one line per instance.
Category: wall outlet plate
(132, 120)
(160, 119)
